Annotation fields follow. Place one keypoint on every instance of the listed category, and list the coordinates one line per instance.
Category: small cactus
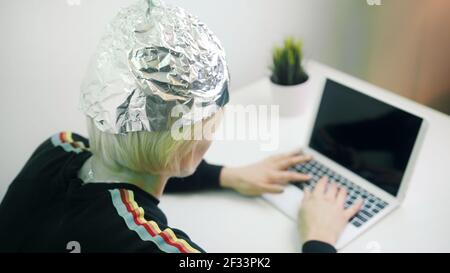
(287, 66)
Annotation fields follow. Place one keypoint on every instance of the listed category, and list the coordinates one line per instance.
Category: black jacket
(47, 208)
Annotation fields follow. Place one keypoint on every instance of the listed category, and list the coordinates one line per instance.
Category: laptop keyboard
(372, 204)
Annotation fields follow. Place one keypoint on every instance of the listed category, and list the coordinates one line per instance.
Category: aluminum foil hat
(154, 60)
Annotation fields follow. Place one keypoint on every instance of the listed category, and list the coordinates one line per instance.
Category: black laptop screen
(367, 136)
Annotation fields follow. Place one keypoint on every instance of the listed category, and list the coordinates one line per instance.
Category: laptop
(365, 145)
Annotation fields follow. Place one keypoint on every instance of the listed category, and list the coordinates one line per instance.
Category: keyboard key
(366, 213)
(361, 217)
(356, 223)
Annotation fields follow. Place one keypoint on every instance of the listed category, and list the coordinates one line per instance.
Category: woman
(101, 194)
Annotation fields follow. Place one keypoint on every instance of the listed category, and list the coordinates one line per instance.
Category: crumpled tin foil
(152, 58)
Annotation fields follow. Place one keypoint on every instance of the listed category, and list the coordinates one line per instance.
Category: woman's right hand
(322, 215)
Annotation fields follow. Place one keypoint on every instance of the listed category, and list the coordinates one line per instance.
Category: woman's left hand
(270, 175)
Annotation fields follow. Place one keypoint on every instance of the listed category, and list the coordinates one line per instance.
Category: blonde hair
(141, 152)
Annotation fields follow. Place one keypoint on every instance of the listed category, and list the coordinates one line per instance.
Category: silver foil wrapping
(152, 58)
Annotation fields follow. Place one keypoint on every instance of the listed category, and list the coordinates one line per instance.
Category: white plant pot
(291, 99)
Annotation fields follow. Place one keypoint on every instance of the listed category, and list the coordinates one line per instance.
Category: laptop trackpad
(287, 202)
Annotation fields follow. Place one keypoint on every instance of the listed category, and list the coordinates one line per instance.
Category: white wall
(45, 46)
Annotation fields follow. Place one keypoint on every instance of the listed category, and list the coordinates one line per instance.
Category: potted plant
(289, 88)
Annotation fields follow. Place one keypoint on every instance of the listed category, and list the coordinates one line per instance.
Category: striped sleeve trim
(133, 215)
(65, 141)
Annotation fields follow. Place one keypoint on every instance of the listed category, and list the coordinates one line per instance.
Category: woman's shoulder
(64, 141)
(68, 141)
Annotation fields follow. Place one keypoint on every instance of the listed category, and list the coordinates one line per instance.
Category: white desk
(227, 222)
